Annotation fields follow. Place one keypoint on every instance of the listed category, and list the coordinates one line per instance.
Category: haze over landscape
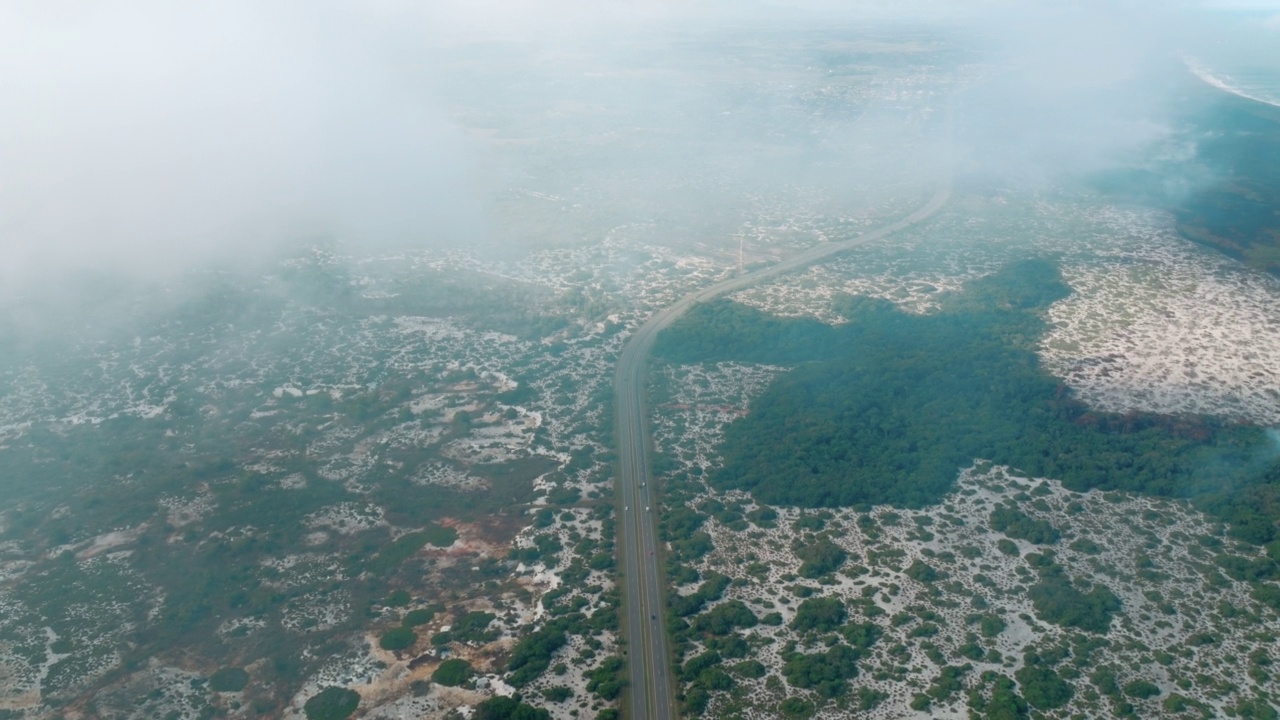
(564, 359)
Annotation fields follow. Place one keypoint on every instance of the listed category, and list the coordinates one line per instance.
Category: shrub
(557, 693)
(228, 679)
(609, 679)
(474, 627)
(819, 614)
(826, 673)
(922, 572)
(795, 708)
(1141, 689)
(723, 618)
(508, 708)
(820, 558)
(1017, 524)
(397, 638)
(991, 625)
(1043, 688)
(453, 672)
(332, 703)
(532, 655)
(862, 635)
(422, 616)
(1057, 601)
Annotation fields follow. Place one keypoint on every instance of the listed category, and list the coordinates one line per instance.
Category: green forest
(887, 408)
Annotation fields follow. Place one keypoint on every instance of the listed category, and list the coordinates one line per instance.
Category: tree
(886, 408)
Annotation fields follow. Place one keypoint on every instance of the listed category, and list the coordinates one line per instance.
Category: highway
(651, 692)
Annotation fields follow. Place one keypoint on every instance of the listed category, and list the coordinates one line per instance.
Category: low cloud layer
(153, 137)
(148, 138)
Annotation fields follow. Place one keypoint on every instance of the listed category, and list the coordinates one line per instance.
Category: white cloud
(154, 136)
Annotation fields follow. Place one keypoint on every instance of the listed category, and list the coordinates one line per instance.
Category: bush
(1057, 601)
(698, 664)
(609, 679)
(397, 638)
(819, 614)
(862, 635)
(557, 693)
(532, 655)
(826, 673)
(732, 646)
(820, 558)
(452, 673)
(763, 516)
(1141, 689)
(723, 618)
(921, 572)
(1043, 688)
(332, 703)
(414, 618)
(473, 627)
(991, 625)
(398, 598)
(710, 591)
(795, 708)
(228, 679)
(508, 708)
(1005, 703)
(1017, 524)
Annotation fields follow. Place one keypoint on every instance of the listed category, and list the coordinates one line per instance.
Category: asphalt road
(649, 669)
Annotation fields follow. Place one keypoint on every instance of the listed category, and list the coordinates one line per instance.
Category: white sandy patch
(1163, 326)
(180, 511)
(347, 518)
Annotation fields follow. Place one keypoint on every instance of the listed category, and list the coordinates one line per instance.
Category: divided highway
(651, 691)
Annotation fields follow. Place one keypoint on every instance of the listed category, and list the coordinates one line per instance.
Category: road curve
(649, 670)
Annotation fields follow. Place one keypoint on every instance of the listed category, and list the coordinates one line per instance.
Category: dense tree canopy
(888, 407)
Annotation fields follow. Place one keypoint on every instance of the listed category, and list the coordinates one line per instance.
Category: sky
(147, 138)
